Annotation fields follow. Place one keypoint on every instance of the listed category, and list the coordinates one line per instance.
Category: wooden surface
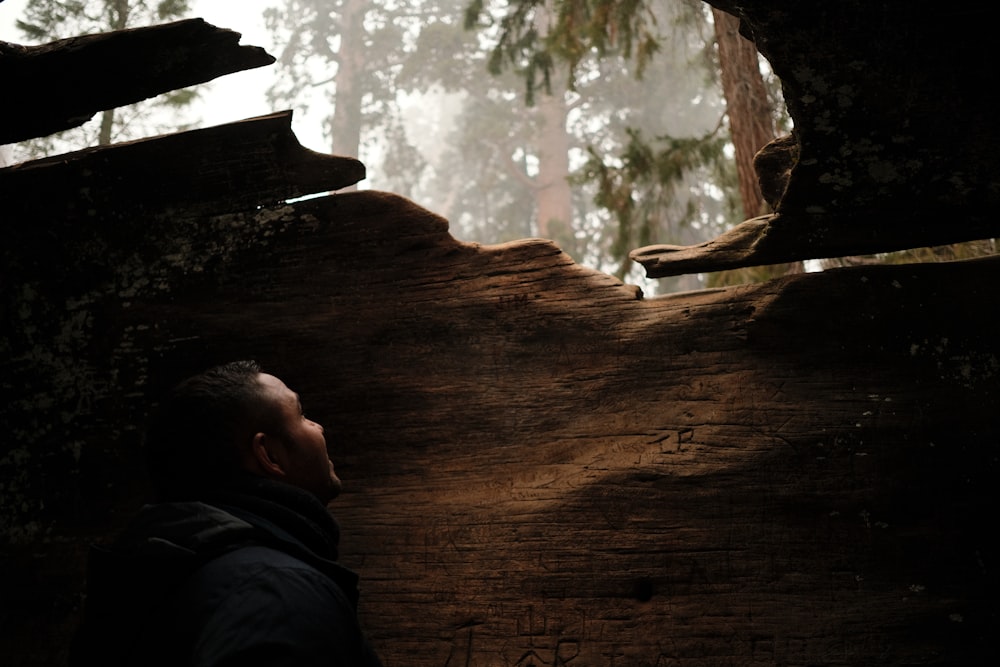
(543, 468)
(777, 238)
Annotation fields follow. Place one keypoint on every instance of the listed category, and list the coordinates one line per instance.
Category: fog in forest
(601, 160)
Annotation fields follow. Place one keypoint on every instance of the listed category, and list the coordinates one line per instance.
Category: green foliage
(533, 37)
(49, 20)
(180, 98)
(625, 26)
(170, 9)
(646, 183)
(630, 190)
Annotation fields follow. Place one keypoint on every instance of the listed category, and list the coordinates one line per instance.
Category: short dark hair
(193, 436)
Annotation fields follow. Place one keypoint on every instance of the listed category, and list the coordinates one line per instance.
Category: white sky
(228, 98)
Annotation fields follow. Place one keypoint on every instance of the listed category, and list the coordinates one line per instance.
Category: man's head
(235, 419)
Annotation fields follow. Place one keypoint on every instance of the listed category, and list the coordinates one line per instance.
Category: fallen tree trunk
(542, 466)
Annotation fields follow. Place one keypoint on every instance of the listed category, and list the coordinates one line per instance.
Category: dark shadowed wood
(57, 86)
(539, 464)
(228, 168)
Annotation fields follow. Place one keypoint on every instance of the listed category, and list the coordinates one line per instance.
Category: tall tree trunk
(106, 133)
(554, 197)
(345, 123)
(750, 116)
(118, 16)
(751, 123)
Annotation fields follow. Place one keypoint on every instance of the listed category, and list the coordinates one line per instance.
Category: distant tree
(486, 172)
(655, 161)
(348, 53)
(749, 108)
(645, 185)
(549, 147)
(49, 20)
(752, 114)
(651, 177)
(529, 149)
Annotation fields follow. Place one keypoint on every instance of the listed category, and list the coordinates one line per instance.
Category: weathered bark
(63, 84)
(537, 461)
(751, 123)
(772, 239)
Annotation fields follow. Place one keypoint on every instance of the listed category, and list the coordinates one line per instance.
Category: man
(235, 562)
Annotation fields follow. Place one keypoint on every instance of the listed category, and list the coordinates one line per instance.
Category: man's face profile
(299, 447)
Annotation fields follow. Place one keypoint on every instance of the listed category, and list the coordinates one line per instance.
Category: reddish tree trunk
(749, 110)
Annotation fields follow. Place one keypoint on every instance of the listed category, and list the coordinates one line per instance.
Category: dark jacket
(243, 577)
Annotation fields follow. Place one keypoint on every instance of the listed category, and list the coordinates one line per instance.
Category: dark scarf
(280, 508)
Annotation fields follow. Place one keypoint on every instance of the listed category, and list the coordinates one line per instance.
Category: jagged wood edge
(779, 238)
(226, 168)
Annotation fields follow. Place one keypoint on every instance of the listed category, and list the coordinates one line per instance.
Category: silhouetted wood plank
(69, 203)
(56, 86)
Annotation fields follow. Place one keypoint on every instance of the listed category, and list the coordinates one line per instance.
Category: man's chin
(334, 489)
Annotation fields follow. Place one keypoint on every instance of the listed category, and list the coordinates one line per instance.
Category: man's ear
(266, 456)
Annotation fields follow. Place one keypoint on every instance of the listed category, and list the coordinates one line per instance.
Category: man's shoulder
(263, 577)
(254, 560)
(258, 598)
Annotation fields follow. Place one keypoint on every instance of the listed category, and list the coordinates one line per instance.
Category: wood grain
(542, 467)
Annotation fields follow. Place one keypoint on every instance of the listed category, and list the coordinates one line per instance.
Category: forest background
(604, 125)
